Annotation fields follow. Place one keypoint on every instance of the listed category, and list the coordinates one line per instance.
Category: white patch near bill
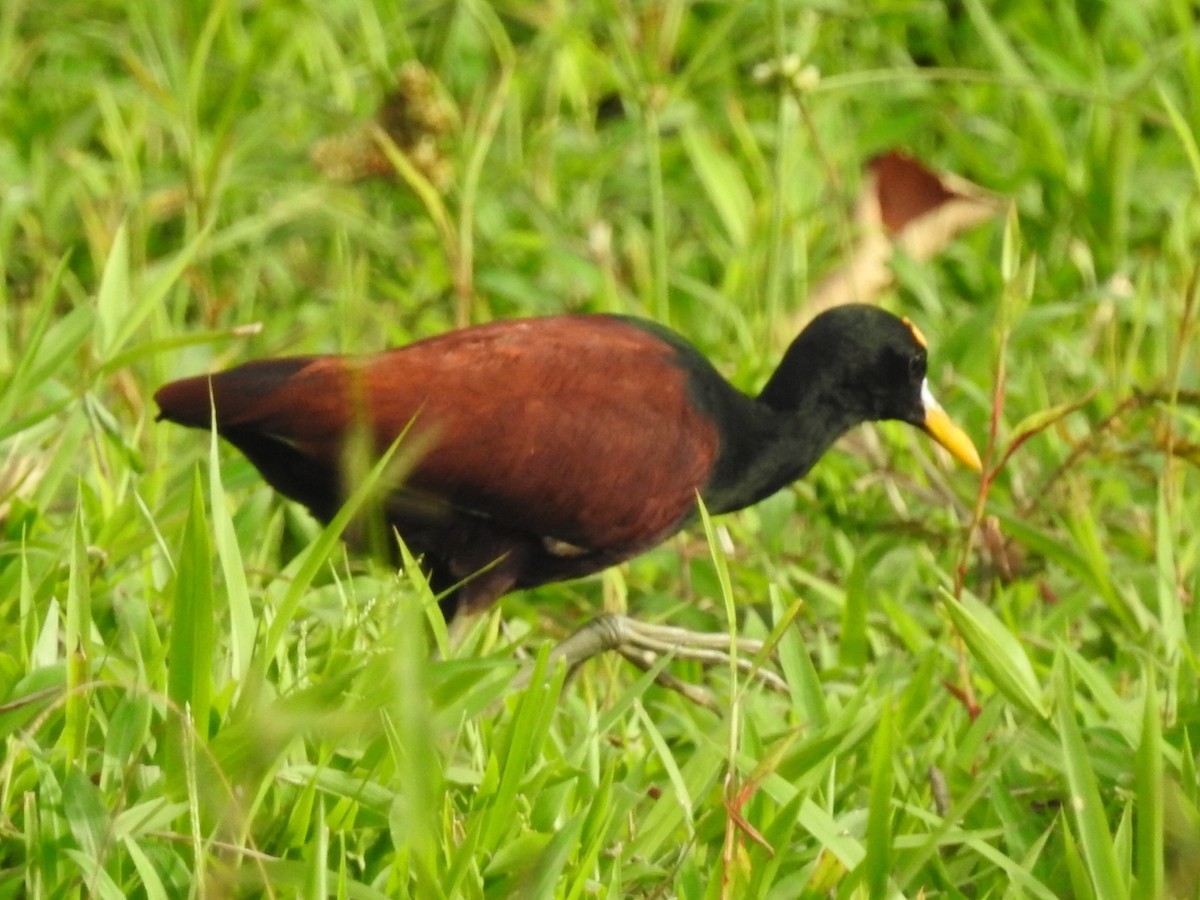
(927, 398)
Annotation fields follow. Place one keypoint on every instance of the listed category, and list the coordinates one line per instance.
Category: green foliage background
(992, 691)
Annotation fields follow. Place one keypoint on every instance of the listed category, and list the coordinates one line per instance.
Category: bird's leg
(642, 643)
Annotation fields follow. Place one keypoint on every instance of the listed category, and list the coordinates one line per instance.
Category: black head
(864, 364)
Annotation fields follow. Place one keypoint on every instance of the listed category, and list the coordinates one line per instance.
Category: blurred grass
(988, 703)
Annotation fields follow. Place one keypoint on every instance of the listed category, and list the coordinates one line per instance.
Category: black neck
(770, 448)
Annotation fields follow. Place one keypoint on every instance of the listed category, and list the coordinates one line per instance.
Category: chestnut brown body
(551, 448)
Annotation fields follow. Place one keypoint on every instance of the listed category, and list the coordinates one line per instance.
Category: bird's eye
(916, 366)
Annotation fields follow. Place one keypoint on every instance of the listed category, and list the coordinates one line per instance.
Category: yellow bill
(938, 425)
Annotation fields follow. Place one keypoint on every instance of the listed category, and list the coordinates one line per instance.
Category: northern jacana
(556, 447)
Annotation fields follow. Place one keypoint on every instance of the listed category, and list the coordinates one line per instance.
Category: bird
(554, 447)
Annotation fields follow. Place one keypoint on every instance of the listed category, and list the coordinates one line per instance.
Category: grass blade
(878, 862)
(78, 640)
(1087, 810)
(190, 654)
(1150, 795)
(1001, 655)
(112, 300)
(242, 622)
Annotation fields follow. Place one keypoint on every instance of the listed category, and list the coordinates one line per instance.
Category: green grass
(992, 691)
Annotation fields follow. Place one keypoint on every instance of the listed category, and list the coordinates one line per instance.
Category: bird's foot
(643, 643)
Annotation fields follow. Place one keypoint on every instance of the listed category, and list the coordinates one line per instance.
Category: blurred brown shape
(904, 205)
(415, 115)
(1000, 554)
